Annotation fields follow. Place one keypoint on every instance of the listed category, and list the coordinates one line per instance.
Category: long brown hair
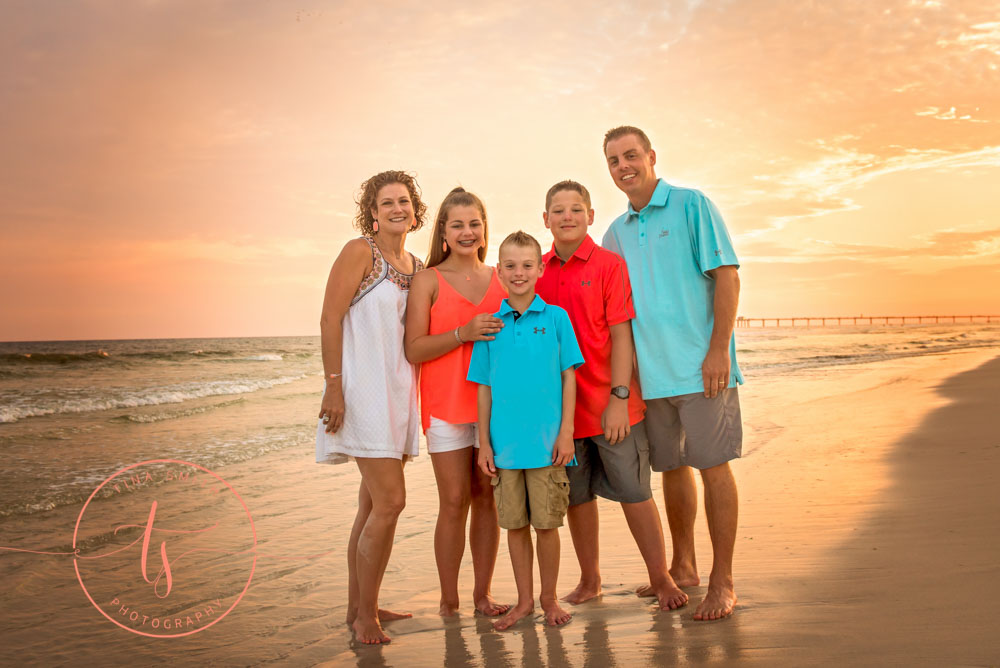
(457, 197)
(369, 191)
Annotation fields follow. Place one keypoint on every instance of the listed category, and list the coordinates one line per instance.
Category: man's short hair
(567, 185)
(522, 239)
(621, 131)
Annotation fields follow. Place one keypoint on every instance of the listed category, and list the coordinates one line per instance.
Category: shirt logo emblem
(539, 329)
(718, 253)
(664, 233)
(584, 283)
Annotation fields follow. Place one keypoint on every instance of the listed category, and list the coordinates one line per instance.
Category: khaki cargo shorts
(538, 497)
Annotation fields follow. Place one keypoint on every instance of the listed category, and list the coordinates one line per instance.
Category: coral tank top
(444, 391)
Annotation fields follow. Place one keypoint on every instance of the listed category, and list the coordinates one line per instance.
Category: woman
(450, 306)
(369, 409)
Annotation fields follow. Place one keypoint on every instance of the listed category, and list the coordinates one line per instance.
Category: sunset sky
(188, 168)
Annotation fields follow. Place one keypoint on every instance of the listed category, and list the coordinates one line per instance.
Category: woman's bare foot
(369, 631)
(554, 614)
(383, 616)
(516, 613)
(489, 607)
(448, 609)
(670, 597)
(584, 592)
(718, 603)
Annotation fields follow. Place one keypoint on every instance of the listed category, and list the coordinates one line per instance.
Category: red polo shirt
(594, 289)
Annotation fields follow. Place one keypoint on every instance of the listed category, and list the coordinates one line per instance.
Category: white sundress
(380, 386)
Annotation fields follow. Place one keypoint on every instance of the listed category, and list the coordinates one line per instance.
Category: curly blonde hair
(364, 221)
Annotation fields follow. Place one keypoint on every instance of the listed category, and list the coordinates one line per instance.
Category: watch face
(620, 391)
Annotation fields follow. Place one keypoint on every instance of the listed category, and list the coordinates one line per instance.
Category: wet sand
(868, 536)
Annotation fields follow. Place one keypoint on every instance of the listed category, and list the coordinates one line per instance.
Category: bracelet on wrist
(458, 337)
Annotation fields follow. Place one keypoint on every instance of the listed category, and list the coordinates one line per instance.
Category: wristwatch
(620, 391)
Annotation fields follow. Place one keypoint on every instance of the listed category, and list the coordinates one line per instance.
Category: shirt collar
(659, 198)
(582, 253)
(536, 305)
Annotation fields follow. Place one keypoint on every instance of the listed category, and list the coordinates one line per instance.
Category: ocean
(74, 412)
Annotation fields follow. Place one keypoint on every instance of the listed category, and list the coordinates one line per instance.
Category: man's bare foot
(554, 614)
(489, 607)
(369, 632)
(718, 603)
(383, 616)
(583, 592)
(516, 613)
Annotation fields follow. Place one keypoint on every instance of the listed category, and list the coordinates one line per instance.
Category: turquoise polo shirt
(523, 366)
(669, 248)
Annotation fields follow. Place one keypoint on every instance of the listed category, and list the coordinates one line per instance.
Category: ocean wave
(171, 394)
(54, 358)
(263, 358)
(146, 418)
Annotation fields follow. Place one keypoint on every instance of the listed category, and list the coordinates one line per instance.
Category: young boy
(612, 452)
(526, 399)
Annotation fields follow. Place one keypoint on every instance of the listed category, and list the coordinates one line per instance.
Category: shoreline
(835, 463)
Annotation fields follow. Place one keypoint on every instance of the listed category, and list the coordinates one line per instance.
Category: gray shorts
(618, 472)
(692, 430)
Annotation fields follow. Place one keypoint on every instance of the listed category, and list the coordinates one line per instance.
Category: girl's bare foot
(383, 616)
(554, 614)
(516, 613)
(369, 631)
(489, 607)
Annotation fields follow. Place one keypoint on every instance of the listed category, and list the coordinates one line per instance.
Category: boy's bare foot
(718, 603)
(369, 632)
(554, 614)
(489, 607)
(670, 597)
(383, 616)
(516, 613)
(685, 576)
(583, 592)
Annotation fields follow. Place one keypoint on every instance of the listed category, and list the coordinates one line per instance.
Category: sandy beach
(868, 536)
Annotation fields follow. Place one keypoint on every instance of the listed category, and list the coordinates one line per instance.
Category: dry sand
(868, 536)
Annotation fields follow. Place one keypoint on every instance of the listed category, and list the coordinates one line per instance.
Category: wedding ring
(326, 419)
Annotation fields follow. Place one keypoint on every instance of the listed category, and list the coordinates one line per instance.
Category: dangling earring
(444, 246)
(375, 226)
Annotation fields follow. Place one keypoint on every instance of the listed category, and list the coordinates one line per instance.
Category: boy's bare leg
(519, 546)
(644, 522)
(584, 527)
(384, 481)
(722, 509)
(453, 473)
(364, 508)
(484, 540)
(548, 571)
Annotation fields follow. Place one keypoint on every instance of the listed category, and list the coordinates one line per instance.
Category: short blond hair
(522, 239)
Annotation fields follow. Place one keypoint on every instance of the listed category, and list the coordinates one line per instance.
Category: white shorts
(444, 437)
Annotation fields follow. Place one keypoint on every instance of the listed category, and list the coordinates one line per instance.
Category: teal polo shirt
(669, 247)
(523, 366)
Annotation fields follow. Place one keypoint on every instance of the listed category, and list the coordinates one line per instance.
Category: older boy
(612, 452)
(527, 390)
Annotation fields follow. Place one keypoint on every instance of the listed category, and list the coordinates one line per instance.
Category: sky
(189, 168)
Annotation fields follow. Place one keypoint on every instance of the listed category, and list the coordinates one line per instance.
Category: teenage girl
(450, 306)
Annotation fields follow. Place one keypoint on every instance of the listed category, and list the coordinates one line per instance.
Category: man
(685, 286)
